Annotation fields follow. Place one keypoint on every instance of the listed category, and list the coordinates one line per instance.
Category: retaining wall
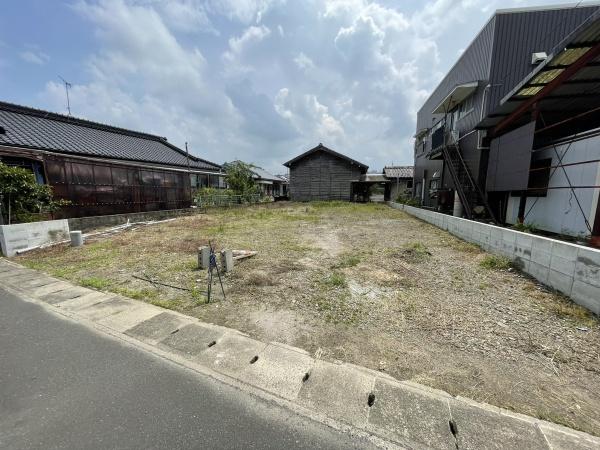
(23, 235)
(92, 222)
(569, 268)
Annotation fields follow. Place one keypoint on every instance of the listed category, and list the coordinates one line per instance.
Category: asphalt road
(63, 385)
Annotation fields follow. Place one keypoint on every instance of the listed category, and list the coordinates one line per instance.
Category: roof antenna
(67, 86)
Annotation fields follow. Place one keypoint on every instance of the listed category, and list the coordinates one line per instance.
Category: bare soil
(369, 285)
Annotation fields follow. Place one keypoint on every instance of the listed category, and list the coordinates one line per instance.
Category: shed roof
(322, 148)
(398, 171)
(43, 130)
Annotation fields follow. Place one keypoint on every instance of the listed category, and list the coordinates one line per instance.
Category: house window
(409, 184)
(539, 177)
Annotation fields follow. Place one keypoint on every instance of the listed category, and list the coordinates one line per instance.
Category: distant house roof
(374, 178)
(322, 148)
(398, 171)
(42, 130)
(264, 175)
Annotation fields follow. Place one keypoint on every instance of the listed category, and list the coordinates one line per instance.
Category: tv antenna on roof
(67, 86)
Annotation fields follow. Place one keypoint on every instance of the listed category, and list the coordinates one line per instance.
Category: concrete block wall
(569, 268)
(93, 222)
(24, 235)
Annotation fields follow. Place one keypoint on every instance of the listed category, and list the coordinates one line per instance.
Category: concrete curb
(344, 396)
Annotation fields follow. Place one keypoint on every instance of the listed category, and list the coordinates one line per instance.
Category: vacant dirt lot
(372, 286)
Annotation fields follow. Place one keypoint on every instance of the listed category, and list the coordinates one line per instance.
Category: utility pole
(67, 86)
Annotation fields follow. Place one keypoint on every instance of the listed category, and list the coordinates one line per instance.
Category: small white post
(76, 238)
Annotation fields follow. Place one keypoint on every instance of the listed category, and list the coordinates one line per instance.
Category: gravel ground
(369, 285)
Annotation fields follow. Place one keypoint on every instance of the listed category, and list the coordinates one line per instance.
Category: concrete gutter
(394, 414)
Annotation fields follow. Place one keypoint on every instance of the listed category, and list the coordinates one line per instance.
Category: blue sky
(258, 80)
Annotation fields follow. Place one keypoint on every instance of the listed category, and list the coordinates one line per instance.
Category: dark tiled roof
(398, 171)
(321, 147)
(34, 128)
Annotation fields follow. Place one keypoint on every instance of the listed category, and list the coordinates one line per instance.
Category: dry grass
(369, 285)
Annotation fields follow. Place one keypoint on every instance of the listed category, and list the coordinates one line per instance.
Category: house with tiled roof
(101, 169)
(401, 180)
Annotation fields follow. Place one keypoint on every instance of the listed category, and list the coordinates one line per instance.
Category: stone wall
(569, 268)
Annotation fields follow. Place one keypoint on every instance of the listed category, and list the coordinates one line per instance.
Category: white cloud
(34, 56)
(263, 80)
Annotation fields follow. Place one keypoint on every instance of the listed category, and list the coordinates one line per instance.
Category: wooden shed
(323, 174)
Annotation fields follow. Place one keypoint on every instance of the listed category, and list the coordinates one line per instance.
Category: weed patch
(95, 283)
(495, 262)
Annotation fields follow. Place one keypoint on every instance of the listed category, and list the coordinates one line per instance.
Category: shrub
(22, 197)
(408, 200)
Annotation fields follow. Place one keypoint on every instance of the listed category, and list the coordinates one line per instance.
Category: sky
(256, 80)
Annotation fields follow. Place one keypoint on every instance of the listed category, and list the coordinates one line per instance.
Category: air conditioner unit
(538, 57)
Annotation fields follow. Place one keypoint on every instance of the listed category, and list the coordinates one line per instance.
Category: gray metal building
(323, 174)
(492, 130)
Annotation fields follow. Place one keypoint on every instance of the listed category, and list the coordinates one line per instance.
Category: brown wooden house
(323, 174)
(101, 169)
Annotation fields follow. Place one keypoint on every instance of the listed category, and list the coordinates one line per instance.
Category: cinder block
(586, 295)
(560, 281)
(563, 265)
(587, 266)
(537, 271)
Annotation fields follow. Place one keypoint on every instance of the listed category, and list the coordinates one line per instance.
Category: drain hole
(453, 427)
(253, 360)
(305, 377)
(210, 344)
(175, 331)
(371, 399)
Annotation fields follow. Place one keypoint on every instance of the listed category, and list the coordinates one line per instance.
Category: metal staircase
(470, 193)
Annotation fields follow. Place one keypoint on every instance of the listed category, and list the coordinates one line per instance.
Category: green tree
(240, 179)
(21, 196)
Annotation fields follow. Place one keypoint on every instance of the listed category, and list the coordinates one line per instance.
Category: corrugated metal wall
(322, 176)
(473, 65)
(518, 35)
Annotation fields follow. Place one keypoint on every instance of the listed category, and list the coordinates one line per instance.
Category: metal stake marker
(213, 265)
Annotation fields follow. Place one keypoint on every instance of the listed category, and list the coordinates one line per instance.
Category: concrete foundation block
(192, 339)
(41, 291)
(129, 318)
(407, 414)
(279, 370)
(231, 355)
(203, 257)
(76, 303)
(485, 427)
(113, 305)
(346, 399)
(560, 281)
(586, 295)
(157, 328)
(587, 266)
(66, 294)
(227, 260)
(561, 438)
